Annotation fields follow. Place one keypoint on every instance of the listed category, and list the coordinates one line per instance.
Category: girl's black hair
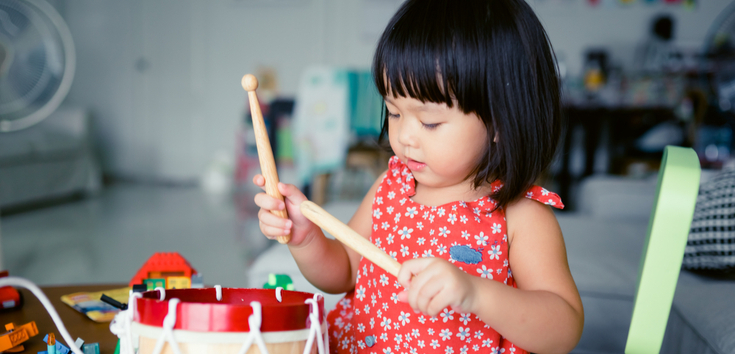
(495, 60)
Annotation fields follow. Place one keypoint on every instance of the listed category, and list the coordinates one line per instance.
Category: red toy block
(163, 265)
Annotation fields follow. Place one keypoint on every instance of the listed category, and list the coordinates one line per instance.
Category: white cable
(24, 283)
(254, 322)
(161, 293)
(278, 294)
(218, 289)
(168, 329)
(315, 332)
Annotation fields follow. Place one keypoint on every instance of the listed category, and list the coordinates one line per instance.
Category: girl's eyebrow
(425, 107)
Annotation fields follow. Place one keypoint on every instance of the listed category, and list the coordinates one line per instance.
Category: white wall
(162, 77)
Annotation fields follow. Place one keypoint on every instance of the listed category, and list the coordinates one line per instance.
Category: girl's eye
(391, 115)
(430, 126)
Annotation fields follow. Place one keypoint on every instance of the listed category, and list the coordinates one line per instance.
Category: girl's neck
(431, 196)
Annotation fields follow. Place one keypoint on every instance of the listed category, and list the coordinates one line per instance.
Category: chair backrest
(663, 249)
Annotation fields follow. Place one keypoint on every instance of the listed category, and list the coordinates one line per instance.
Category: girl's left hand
(433, 284)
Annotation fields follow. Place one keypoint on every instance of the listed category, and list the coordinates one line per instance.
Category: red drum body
(229, 320)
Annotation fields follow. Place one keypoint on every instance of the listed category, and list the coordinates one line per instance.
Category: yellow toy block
(178, 283)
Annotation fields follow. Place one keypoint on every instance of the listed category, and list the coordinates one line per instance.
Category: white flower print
(430, 331)
(529, 195)
(385, 306)
(391, 195)
(498, 271)
(389, 210)
(413, 351)
(476, 210)
(420, 241)
(434, 343)
(452, 218)
(550, 202)
(505, 263)
(481, 239)
(433, 319)
(497, 350)
(397, 284)
(383, 280)
(496, 228)
(478, 334)
(544, 191)
(394, 297)
(378, 242)
(464, 332)
(404, 250)
(487, 343)
(434, 241)
(463, 219)
(443, 231)
(385, 225)
(445, 334)
(481, 203)
(404, 318)
(387, 351)
(465, 235)
(374, 300)
(384, 337)
(420, 225)
(441, 249)
(397, 218)
(494, 252)
(422, 319)
(367, 308)
(420, 344)
(465, 318)
(427, 254)
(379, 200)
(440, 212)
(389, 239)
(375, 227)
(475, 347)
(448, 350)
(426, 215)
(415, 333)
(377, 213)
(385, 323)
(405, 233)
(485, 273)
(379, 313)
(360, 327)
(512, 349)
(393, 255)
(402, 201)
(361, 344)
(447, 315)
(398, 338)
(360, 293)
(415, 255)
(411, 211)
(431, 218)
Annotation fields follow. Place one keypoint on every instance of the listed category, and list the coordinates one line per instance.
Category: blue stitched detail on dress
(370, 340)
(465, 254)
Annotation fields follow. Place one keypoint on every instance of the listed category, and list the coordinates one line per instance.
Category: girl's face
(440, 145)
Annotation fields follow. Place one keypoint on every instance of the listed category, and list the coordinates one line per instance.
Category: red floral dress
(370, 319)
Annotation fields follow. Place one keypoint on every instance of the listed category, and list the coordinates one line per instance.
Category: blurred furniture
(51, 159)
(78, 324)
(663, 248)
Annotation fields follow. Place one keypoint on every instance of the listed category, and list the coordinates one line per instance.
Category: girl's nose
(406, 134)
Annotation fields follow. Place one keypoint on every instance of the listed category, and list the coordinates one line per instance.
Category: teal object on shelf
(663, 249)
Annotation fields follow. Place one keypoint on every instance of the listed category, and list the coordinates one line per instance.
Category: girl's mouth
(414, 165)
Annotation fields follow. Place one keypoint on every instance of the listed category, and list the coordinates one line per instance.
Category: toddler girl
(473, 118)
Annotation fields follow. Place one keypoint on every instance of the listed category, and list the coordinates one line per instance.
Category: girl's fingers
(268, 219)
(292, 194)
(273, 232)
(259, 181)
(267, 202)
(410, 268)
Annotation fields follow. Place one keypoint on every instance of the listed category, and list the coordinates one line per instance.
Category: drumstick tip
(249, 82)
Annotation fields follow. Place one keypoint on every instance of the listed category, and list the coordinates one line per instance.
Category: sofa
(604, 242)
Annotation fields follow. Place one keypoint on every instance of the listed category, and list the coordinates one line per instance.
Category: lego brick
(60, 348)
(178, 283)
(91, 348)
(153, 283)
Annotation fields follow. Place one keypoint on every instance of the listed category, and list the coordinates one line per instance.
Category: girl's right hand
(297, 225)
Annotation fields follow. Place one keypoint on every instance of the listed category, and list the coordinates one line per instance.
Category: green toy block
(153, 283)
(278, 280)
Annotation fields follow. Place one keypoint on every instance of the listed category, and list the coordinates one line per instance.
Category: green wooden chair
(663, 249)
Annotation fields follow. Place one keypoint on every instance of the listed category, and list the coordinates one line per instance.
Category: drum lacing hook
(254, 322)
(315, 330)
(161, 293)
(167, 335)
(278, 294)
(218, 292)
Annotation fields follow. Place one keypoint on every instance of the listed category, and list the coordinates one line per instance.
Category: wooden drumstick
(349, 237)
(265, 154)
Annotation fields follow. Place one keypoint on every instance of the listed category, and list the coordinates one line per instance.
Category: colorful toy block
(178, 283)
(163, 265)
(153, 283)
(278, 280)
(12, 340)
(60, 348)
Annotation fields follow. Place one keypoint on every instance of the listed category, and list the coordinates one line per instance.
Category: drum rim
(226, 316)
(186, 336)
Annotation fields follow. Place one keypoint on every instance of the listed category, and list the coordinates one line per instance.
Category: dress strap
(545, 196)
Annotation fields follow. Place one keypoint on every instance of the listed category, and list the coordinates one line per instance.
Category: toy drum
(217, 320)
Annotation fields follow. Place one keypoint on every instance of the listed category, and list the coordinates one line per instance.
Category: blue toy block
(60, 348)
(91, 348)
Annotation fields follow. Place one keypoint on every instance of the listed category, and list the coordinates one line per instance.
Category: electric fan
(36, 62)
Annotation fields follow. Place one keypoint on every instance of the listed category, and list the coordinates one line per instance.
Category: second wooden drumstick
(265, 153)
(349, 237)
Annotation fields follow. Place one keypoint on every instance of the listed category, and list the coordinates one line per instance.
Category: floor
(106, 238)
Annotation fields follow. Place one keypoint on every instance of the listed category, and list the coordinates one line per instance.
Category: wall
(162, 77)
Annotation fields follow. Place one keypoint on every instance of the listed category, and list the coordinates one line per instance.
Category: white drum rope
(218, 288)
(161, 293)
(315, 331)
(24, 283)
(168, 326)
(254, 322)
(278, 294)
(120, 325)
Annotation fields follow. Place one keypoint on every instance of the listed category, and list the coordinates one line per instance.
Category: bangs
(425, 57)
